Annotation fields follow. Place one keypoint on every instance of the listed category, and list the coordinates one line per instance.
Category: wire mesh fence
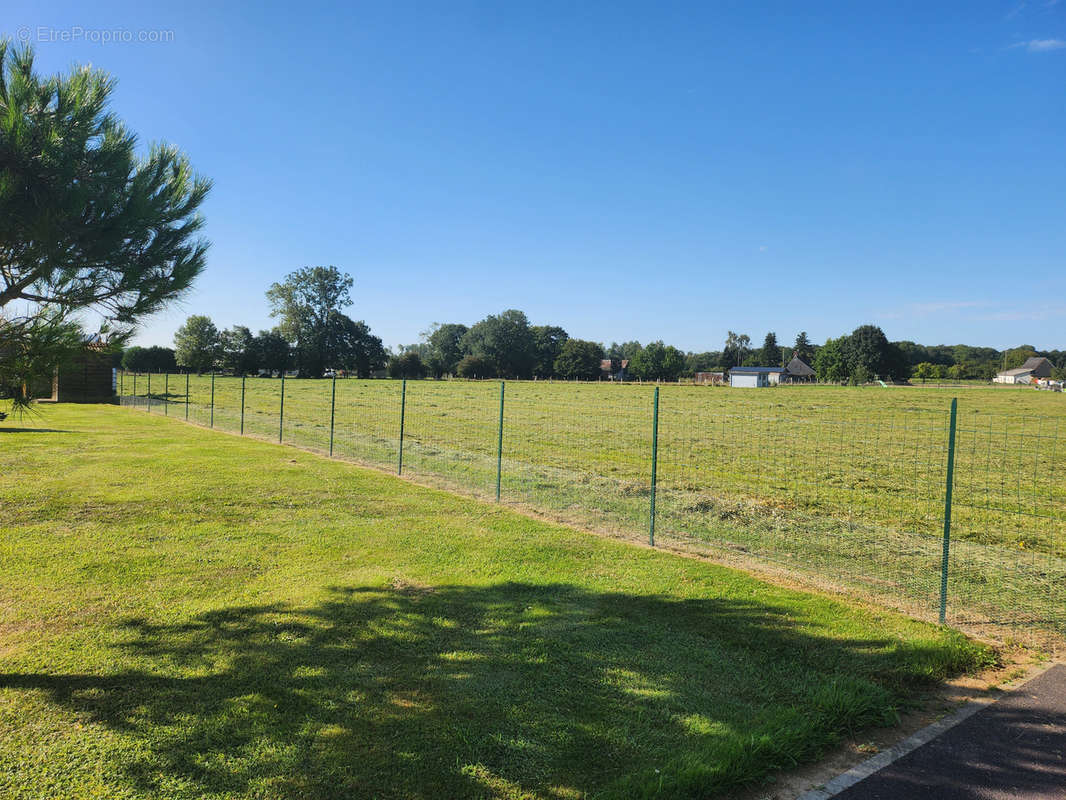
(850, 496)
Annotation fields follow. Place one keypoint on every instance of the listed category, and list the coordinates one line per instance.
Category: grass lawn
(186, 614)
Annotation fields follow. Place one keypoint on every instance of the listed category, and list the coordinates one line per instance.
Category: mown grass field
(845, 485)
(192, 615)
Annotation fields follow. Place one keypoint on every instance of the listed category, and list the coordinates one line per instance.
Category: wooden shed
(88, 378)
(797, 371)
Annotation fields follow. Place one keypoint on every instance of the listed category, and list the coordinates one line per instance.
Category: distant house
(797, 371)
(754, 377)
(607, 369)
(1035, 367)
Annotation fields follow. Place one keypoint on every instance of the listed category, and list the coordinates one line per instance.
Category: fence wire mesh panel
(135, 386)
(581, 452)
(367, 422)
(199, 399)
(1007, 574)
(843, 490)
(227, 410)
(306, 422)
(450, 433)
(848, 499)
(262, 404)
(125, 389)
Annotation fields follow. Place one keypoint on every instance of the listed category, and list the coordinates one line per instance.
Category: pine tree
(803, 349)
(84, 223)
(770, 355)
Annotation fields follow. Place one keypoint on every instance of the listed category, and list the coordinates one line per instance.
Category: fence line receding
(941, 511)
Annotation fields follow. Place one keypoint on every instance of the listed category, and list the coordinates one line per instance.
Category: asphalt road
(1015, 749)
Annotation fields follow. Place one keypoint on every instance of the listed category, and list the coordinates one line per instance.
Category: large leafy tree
(273, 351)
(149, 359)
(624, 350)
(865, 350)
(831, 362)
(924, 371)
(475, 367)
(1016, 356)
(161, 359)
(658, 361)
(304, 303)
(579, 360)
(504, 340)
(548, 343)
(136, 359)
(85, 224)
(870, 354)
(862, 356)
(445, 348)
(406, 365)
(702, 362)
(238, 350)
(197, 344)
(351, 346)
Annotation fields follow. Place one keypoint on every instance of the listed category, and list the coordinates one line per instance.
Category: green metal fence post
(403, 410)
(134, 389)
(947, 513)
(499, 447)
(281, 412)
(212, 399)
(243, 379)
(121, 386)
(332, 412)
(166, 395)
(148, 406)
(186, 396)
(654, 465)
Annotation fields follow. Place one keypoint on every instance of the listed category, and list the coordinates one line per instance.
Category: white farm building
(754, 377)
(1034, 367)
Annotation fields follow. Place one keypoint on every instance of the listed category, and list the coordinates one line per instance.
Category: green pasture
(845, 485)
(193, 615)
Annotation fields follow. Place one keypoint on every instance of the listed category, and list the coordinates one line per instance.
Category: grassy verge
(186, 614)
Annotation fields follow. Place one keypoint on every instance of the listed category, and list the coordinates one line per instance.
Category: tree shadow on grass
(494, 691)
(32, 430)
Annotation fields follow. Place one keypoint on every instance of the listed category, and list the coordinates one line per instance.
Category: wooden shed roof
(798, 367)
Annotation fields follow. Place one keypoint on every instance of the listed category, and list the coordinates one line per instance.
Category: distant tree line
(506, 345)
(957, 362)
(314, 336)
(866, 355)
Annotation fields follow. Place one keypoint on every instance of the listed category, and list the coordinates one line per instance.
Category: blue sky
(628, 171)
